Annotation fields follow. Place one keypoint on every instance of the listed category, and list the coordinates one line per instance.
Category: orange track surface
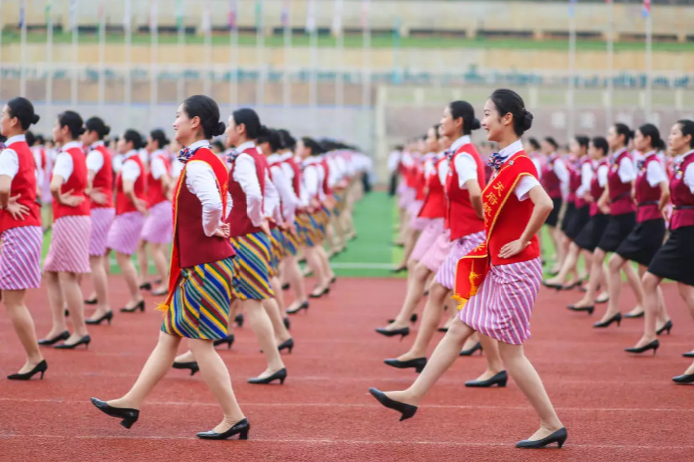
(616, 407)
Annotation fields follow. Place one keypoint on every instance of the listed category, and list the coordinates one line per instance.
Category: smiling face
(234, 132)
(8, 125)
(184, 126)
(494, 123)
(677, 142)
(450, 127)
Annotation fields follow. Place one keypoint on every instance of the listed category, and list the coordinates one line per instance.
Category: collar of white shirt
(95, 145)
(460, 142)
(511, 149)
(618, 153)
(652, 153)
(685, 155)
(70, 145)
(132, 153)
(244, 146)
(15, 139)
(286, 156)
(274, 158)
(156, 153)
(198, 144)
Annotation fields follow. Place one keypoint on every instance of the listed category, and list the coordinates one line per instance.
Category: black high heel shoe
(52, 341)
(286, 345)
(404, 332)
(616, 318)
(471, 351)
(557, 287)
(86, 340)
(285, 286)
(140, 306)
(413, 319)
(192, 366)
(634, 316)
(499, 380)
(40, 367)
(689, 354)
(91, 301)
(229, 340)
(418, 364)
(280, 375)
(239, 319)
(399, 269)
(407, 410)
(146, 286)
(684, 379)
(558, 437)
(240, 428)
(287, 323)
(129, 416)
(303, 306)
(325, 291)
(654, 345)
(666, 327)
(97, 322)
(589, 309)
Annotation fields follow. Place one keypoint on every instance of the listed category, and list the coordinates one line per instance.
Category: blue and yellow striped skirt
(292, 242)
(252, 267)
(200, 306)
(277, 251)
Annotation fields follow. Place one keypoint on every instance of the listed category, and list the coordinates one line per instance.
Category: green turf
(377, 41)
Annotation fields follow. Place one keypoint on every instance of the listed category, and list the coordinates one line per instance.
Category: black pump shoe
(589, 309)
(499, 380)
(40, 367)
(91, 301)
(240, 428)
(280, 375)
(634, 316)
(229, 340)
(558, 437)
(666, 327)
(192, 366)
(616, 318)
(146, 286)
(239, 319)
(286, 345)
(684, 379)
(303, 306)
(413, 319)
(471, 351)
(287, 323)
(86, 340)
(407, 410)
(129, 416)
(404, 332)
(140, 306)
(654, 345)
(52, 341)
(418, 364)
(97, 322)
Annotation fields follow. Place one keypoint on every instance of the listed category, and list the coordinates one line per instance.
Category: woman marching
(156, 232)
(673, 259)
(555, 180)
(200, 278)
(100, 191)
(68, 255)
(498, 282)
(131, 210)
(21, 234)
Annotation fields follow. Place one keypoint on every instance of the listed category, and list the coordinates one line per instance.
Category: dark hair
(30, 138)
(316, 148)
(40, 140)
(464, 110)
(582, 141)
(159, 136)
(624, 131)
(206, 109)
(219, 145)
(687, 128)
(273, 138)
(288, 142)
(249, 118)
(601, 143)
(510, 102)
(23, 110)
(533, 142)
(73, 122)
(552, 141)
(95, 124)
(436, 130)
(134, 137)
(650, 130)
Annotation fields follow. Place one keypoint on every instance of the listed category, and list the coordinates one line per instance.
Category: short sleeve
(9, 163)
(627, 171)
(95, 161)
(63, 166)
(466, 168)
(524, 186)
(131, 170)
(689, 177)
(158, 168)
(655, 174)
(603, 171)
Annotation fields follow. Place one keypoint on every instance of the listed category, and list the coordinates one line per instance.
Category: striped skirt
(459, 248)
(427, 239)
(102, 219)
(252, 267)
(200, 306)
(20, 258)
(276, 251)
(438, 252)
(125, 232)
(304, 230)
(292, 242)
(69, 250)
(501, 309)
(158, 227)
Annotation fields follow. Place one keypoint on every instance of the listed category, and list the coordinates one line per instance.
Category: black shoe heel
(666, 327)
(404, 332)
(240, 428)
(499, 380)
(413, 319)
(146, 286)
(86, 340)
(192, 366)
(91, 301)
(418, 364)
(140, 306)
(239, 319)
(303, 306)
(558, 437)
(39, 368)
(407, 411)
(616, 318)
(97, 322)
(280, 375)
(654, 345)
(229, 340)
(52, 341)
(471, 351)
(129, 416)
(287, 323)
(286, 345)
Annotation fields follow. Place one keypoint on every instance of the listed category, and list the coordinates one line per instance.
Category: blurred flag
(232, 14)
(337, 18)
(646, 8)
(572, 6)
(73, 14)
(127, 14)
(365, 14)
(179, 15)
(285, 13)
(153, 16)
(22, 13)
(311, 16)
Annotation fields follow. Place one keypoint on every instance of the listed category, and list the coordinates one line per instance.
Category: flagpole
(572, 68)
(154, 35)
(649, 60)
(102, 53)
(339, 78)
(207, 84)
(128, 50)
(260, 54)
(234, 50)
(22, 71)
(610, 63)
(286, 81)
(366, 42)
(180, 82)
(75, 52)
(49, 53)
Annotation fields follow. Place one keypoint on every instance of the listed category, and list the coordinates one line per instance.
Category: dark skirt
(617, 230)
(590, 235)
(553, 217)
(675, 257)
(568, 216)
(579, 219)
(643, 242)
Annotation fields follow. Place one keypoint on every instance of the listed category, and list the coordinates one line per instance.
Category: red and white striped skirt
(428, 237)
(69, 251)
(125, 232)
(501, 309)
(437, 253)
(459, 248)
(158, 227)
(406, 194)
(102, 218)
(20, 258)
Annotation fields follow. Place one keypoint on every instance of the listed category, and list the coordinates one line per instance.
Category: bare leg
(295, 280)
(100, 281)
(410, 241)
(24, 327)
(161, 263)
(596, 274)
(494, 362)
(262, 327)
(281, 333)
(314, 263)
(142, 262)
(276, 286)
(529, 382)
(75, 303)
(616, 263)
(651, 282)
(430, 321)
(57, 304)
(415, 290)
(555, 234)
(569, 263)
(635, 283)
(325, 262)
(130, 274)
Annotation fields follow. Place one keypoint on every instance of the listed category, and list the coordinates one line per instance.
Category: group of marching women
(238, 222)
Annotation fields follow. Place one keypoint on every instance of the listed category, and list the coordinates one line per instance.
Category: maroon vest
(647, 196)
(682, 197)
(550, 181)
(578, 173)
(596, 190)
(239, 221)
(296, 181)
(620, 193)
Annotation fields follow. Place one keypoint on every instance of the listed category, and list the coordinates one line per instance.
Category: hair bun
(107, 130)
(475, 125)
(527, 121)
(81, 130)
(35, 119)
(220, 129)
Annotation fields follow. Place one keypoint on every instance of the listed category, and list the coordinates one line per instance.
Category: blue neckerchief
(496, 160)
(185, 154)
(449, 153)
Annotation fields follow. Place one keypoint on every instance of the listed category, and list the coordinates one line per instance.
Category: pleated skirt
(20, 258)
(69, 250)
(438, 252)
(426, 240)
(102, 219)
(459, 248)
(252, 267)
(125, 232)
(158, 227)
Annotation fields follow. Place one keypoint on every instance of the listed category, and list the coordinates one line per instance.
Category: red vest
(419, 181)
(435, 200)
(238, 219)
(77, 183)
(461, 217)
(512, 218)
(576, 180)
(682, 197)
(326, 169)
(550, 181)
(24, 184)
(123, 203)
(595, 189)
(155, 190)
(296, 181)
(647, 197)
(620, 193)
(194, 246)
(104, 178)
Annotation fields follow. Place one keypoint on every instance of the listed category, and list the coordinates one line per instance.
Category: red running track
(616, 407)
